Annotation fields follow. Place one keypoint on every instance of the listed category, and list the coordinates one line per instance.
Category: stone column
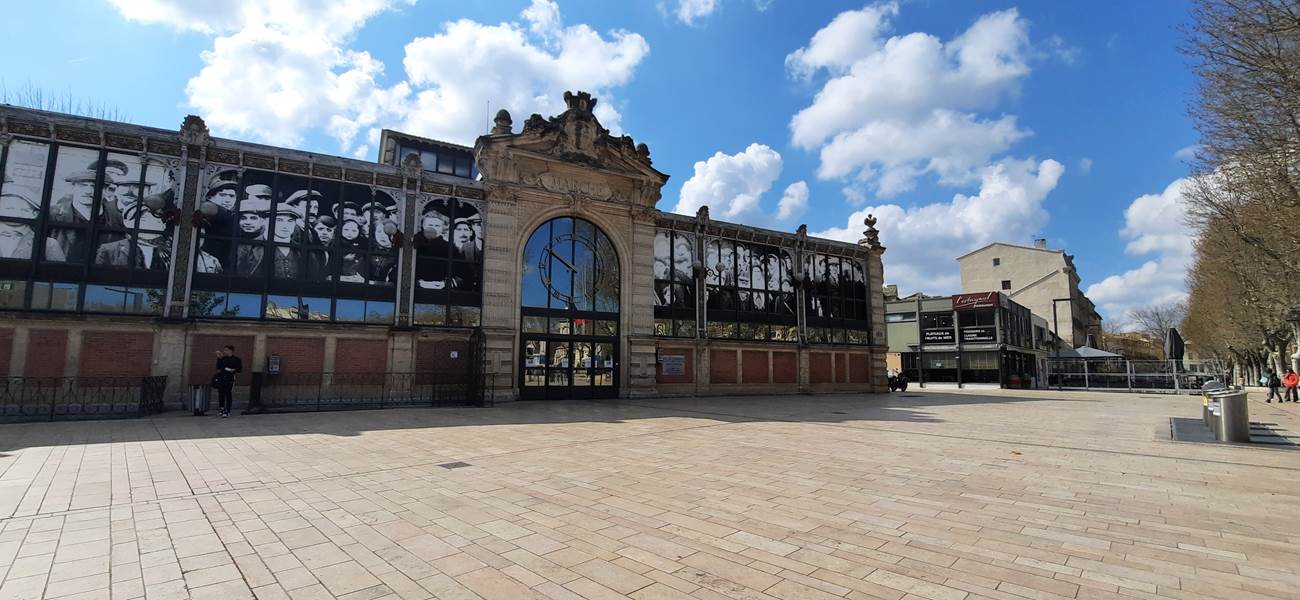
(501, 291)
(194, 147)
(638, 280)
(876, 302)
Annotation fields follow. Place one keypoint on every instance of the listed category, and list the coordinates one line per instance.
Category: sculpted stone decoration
(195, 131)
(871, 236)
(502, 123)
(412, 168)
(574, 137)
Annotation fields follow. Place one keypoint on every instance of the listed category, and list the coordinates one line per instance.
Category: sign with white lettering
(673, 364)
(937, 336)
(975, 301)
(979, 334)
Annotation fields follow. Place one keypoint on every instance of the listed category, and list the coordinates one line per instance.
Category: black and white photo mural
(750, 291)
(84, 229)
(675, 286)
(835, 300)
(280, 246)
(449, 261)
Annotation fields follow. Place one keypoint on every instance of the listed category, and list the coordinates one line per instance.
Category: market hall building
(535, 259)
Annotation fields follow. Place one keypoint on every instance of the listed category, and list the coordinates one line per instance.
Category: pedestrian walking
(1291, 380)
(1270, 379)
(228, 365)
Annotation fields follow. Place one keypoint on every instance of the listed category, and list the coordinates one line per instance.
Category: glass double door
(563, 367)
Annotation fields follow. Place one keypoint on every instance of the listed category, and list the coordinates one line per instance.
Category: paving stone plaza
(942, 496)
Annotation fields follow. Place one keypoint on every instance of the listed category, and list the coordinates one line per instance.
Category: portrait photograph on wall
(449, 261)
(85, 229)
(281, 246)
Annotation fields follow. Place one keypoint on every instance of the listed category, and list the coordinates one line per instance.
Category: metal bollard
(1233, 418)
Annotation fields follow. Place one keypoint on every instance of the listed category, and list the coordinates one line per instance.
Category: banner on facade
(937, 336)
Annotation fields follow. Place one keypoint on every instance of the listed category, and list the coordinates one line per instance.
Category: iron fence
(25, 399)
(294, 392)
(1120, 374)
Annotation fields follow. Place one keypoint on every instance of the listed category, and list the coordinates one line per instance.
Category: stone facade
(564, 166)
(1040, 279)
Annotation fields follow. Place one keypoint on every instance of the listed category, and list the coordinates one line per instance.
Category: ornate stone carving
(195, 131)
(129, 142)
(871, 236)
(164, 147)
(296, 167)
(29, 128)
(223, 155)
(329, 171)
(502, 123)
(73, 134)
(356, 176)
(412, 166)
(259, 161)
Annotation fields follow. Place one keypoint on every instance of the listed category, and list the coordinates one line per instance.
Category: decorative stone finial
(195, 131)
(802, 231)
(412, 167)
(580, 101)
(702, 214)
(502, 123)
(643, 151)
(871, 236)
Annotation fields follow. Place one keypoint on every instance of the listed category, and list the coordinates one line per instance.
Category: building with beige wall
(1039, 278)
(534, 262)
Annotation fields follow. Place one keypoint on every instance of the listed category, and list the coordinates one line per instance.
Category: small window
(997, 261)
(1006, 284)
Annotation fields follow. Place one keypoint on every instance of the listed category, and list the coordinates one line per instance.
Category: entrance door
(570, 310)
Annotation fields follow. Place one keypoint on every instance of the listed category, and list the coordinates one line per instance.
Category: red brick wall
(859, 368)
(360, 356)
(687, 377)
(47, 352)
(722, 366)
(754, 366)
(841, 368)
(820, 367)
(297, 354)
(203, 356)
(116, 354)
(6, 350)
(785, 367)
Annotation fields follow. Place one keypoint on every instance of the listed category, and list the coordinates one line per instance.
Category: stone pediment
(569, 154)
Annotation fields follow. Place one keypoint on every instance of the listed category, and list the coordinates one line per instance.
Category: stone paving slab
(971, 495)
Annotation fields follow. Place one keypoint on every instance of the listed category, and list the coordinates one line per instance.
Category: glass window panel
(744, 273)
(24, 175)
(379, 312)
(586, 273)
(13, 294)
(608, 328)
(282, 307)
(535, 353)
(683, 295)
(534, 324)
(462, 167)
(583, 327)
(207, 304)
(465, 316)
(55, 296)
(582, 358)
(559, 275)
(382, 268)
(559, 355)
(429, 160)
(430, 314)
(683, 256)
(315, 309)
(607, 283)
(561, 326)
(243, 306)
(72, 198)
(145, 301)
(663, 254)
(101, 298)
(722, 330)
(446, 163)
(123, 189)
(350, 310)
(536, 260)
(685, 328)
(664, 327)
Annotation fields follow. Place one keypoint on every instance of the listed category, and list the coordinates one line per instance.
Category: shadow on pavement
(825, 408)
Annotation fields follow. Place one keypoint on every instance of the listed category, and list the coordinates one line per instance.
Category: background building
(979, 339)
(535, 260)
(1041, 279)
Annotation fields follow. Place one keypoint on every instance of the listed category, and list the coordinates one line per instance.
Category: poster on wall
(449, 242)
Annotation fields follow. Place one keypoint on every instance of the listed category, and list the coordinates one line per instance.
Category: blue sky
(957, 123)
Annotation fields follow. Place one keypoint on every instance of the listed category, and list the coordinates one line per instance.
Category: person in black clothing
(228, 365)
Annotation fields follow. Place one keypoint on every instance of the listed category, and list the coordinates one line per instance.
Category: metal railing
(1118, 374)
(24, 399)
(294, 392)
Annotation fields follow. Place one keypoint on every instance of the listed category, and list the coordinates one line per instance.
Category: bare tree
(1155, 320)
(30, 96)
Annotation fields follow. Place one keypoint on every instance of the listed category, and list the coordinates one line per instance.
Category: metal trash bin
(1233, 417)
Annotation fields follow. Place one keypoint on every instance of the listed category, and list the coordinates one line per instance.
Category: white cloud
(1085, 165)
(1187, 153)
(1154, 225)
(282, 68)
(924, 241)
(895, 108)
(690, 12)
(763, 5)
(731, 185)
(793, 202)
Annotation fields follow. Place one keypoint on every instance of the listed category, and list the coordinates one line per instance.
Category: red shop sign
(975, 301)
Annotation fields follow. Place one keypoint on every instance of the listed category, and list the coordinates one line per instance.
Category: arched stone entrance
(569, 312)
